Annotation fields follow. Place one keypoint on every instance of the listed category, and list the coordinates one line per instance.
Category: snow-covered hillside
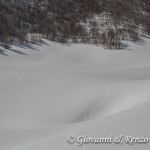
(49, 91)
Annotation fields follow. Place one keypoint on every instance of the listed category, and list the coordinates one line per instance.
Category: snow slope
(49, 91)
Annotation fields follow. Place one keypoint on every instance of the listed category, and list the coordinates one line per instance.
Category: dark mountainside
(104, 22)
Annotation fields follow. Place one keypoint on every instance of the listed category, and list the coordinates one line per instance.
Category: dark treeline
(104, 22)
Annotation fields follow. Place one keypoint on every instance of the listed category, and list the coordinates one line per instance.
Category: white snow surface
(49, 91)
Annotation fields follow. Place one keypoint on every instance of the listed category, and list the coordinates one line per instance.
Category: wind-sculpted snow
(56, 90)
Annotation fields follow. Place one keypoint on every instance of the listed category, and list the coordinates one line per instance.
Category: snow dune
(49, 90)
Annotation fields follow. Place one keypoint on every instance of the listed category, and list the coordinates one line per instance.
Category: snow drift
(49, 90)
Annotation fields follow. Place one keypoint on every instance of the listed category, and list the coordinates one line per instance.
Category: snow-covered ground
(49, 91)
